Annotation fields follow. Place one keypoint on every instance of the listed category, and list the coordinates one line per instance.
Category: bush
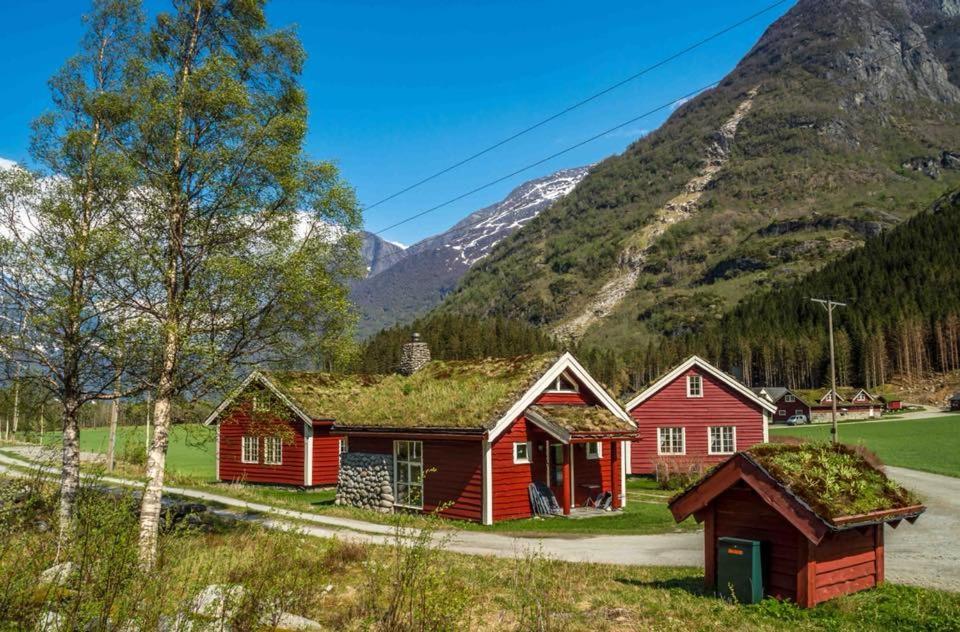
(134, 453)
(679, 472)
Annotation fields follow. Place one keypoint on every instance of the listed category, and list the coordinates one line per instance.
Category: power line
(580, 144)
(578, 104)
(548, 158)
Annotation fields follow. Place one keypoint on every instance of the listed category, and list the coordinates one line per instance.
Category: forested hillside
(841, 123)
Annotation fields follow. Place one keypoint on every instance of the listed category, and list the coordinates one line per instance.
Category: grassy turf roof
(586, 419)
(469, 394)
(833, 480)
(812, 395)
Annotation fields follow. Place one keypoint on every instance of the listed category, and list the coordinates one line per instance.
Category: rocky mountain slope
(841, 122)
(415, 280)
(379, 254)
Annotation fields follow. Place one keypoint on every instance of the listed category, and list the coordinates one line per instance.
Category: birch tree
(56, 231)
(236, 252)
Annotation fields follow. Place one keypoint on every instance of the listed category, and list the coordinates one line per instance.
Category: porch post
(615, 474)
(567, 483)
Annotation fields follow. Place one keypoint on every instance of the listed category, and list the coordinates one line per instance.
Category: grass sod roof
(465, 394)
(812, 395)
(585, 419)
(833, 480)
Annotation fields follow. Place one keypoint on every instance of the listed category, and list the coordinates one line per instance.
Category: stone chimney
(414, 356)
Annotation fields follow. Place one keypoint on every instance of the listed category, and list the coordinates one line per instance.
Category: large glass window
(723, 440)
(671, 441)
(408, 473)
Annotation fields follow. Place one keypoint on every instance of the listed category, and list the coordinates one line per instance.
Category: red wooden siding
(604, 472)
(740, 513)
(720, 405)
(511, 497)
(846, 562)
(326, 456)
(456, 479)
(231, 431)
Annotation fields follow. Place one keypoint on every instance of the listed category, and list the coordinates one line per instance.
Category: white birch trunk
(69, 475)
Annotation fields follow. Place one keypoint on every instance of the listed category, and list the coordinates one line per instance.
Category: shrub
(134, 453)
(679, 472)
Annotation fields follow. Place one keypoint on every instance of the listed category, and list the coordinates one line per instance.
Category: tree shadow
(323, 503)
(692, 585)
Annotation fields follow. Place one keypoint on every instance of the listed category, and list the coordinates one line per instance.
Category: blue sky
(399, 90)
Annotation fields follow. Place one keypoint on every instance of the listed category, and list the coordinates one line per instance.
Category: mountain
(424, 273)
(379, 254)
(840, 123)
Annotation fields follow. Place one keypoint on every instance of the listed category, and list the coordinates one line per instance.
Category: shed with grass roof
(462, 438)
(818, 511)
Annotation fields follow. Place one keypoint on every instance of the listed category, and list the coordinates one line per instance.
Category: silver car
(797, 420)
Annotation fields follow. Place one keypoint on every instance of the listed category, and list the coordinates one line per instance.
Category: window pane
(416, 474)
(417, 448)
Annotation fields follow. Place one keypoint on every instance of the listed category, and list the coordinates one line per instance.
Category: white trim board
(566, 363)
(259, 377)
(690, 362)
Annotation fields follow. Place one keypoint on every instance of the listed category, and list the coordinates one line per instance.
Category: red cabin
(266, 435)
(695, 415)
(468, 438)
(821, 533)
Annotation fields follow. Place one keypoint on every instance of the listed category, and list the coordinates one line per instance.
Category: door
(555, 470)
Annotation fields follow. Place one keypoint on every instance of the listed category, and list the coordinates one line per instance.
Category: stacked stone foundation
(366, 480)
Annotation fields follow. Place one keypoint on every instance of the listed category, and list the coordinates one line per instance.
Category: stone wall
(366, 480)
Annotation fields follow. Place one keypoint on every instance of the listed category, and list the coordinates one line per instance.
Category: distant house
(787, 402)
(955, 402)
(695, 413)
(852, 403)
(267, 434)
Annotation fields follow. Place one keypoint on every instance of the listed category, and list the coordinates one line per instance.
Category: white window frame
(597, 453)
(526, 460)
(257, 403)
(683, 440)
(245, 449)
(416, 448)
(557, 385)
(699, 382)
(272, 447)
(789, 398)
(710, 430)
(782, 412)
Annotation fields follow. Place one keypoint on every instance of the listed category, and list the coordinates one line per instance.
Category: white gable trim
(566, 363)
(709, 368)
(259, 377)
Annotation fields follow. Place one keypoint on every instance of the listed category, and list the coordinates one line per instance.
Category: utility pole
(147, 439)
(114, 418)
(829, 305)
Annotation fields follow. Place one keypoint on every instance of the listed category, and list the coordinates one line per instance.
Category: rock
(58, 574)
(287, 621)
(50, 622)
(217, 601)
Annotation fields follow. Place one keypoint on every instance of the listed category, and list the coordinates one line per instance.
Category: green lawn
(192, 451)
(930, 445)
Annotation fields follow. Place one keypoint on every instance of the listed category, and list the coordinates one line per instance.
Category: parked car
(797, 420)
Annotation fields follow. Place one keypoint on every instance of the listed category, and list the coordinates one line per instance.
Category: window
(799, 411)
(563, 384)
(694, 386)
(789, 398)
(251, 450)
(408, 474)
(259, 403)
(723, 439)
(671, 441)
(594, 450)
(782, 412)
(522, 452)
(272, 451)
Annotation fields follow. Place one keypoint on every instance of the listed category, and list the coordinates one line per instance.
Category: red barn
(265, 434)
(693, 416)
(820, 528)
(788, 403)
(467, 438)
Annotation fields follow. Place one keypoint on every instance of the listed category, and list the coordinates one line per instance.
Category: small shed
(817, 510)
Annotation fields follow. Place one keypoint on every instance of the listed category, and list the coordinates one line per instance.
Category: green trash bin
(739, 570)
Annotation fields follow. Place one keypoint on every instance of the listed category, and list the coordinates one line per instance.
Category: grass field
(930, 445)
(192, 451)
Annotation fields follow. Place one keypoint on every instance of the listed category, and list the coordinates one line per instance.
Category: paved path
(926, 553)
